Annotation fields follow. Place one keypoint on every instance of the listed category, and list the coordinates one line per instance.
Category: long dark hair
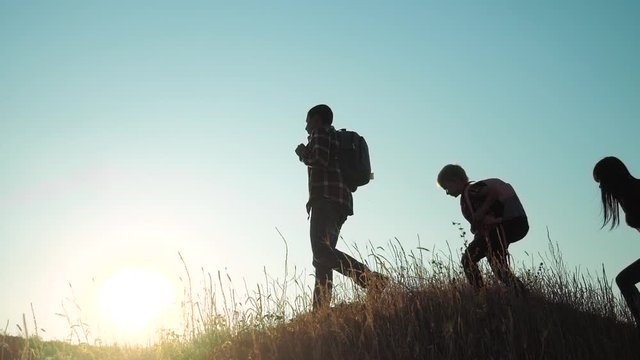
(612, 175)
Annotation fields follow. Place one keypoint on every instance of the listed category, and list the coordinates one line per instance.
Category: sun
(133, 299)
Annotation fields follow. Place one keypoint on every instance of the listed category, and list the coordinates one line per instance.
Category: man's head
(452, 178)
(319, 116)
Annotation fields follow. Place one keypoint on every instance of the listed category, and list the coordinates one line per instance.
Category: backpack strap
(484, 227)
(465, 196)
(467, 201)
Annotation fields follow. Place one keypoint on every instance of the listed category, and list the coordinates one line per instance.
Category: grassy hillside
(428, 313)
(446, 322)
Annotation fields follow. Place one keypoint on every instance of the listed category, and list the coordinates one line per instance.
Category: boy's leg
(475, 251)
(627, 280)
(498, 256)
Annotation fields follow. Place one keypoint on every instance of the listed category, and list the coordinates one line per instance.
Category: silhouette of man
(330, 202)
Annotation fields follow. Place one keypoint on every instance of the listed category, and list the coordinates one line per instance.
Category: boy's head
(453, 179)
(319, 116)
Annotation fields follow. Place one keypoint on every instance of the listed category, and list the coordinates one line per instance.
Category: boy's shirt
(325, 177)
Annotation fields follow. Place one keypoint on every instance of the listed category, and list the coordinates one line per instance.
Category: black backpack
(353, 157)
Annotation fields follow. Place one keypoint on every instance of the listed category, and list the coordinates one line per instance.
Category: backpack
(353, 159)
(512, 207)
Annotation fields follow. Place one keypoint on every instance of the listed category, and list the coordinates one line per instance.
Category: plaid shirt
(325, 178)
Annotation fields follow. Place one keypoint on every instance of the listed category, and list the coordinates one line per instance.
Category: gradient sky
(134, 130)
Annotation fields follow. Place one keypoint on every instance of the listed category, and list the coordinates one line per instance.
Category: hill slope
(451, 322)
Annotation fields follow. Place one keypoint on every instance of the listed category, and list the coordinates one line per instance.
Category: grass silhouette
(428, 313)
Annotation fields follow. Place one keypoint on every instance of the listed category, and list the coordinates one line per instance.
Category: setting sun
(133, 300)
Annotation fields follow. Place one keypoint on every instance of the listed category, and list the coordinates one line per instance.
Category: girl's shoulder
(633, 197)
(631, 206)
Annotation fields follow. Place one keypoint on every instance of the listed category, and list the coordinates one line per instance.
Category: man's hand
(301, 151)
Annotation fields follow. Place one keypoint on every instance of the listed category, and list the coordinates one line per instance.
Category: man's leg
(323, 287)
(350, 267)
(347, 265)
(323, 229)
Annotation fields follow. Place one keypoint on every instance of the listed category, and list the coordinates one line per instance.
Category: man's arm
(316, 152)
(301, 151)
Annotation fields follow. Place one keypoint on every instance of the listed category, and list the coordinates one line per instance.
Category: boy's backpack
(512, 207)
(353, 157)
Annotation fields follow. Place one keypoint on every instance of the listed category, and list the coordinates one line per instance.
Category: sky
(132, 132)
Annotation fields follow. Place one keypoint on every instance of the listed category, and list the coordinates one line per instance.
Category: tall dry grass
(428, 313)
(431, 313)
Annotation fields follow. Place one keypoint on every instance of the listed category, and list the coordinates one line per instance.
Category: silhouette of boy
(497, 219)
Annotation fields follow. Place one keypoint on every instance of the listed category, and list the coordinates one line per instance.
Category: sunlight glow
(134, 299)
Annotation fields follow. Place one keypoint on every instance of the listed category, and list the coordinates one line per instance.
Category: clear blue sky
(131, 131)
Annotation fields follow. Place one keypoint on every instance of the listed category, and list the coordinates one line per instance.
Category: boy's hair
(452, 172)
(323, 111)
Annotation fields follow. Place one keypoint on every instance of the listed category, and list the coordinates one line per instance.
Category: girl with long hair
(620, 190)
